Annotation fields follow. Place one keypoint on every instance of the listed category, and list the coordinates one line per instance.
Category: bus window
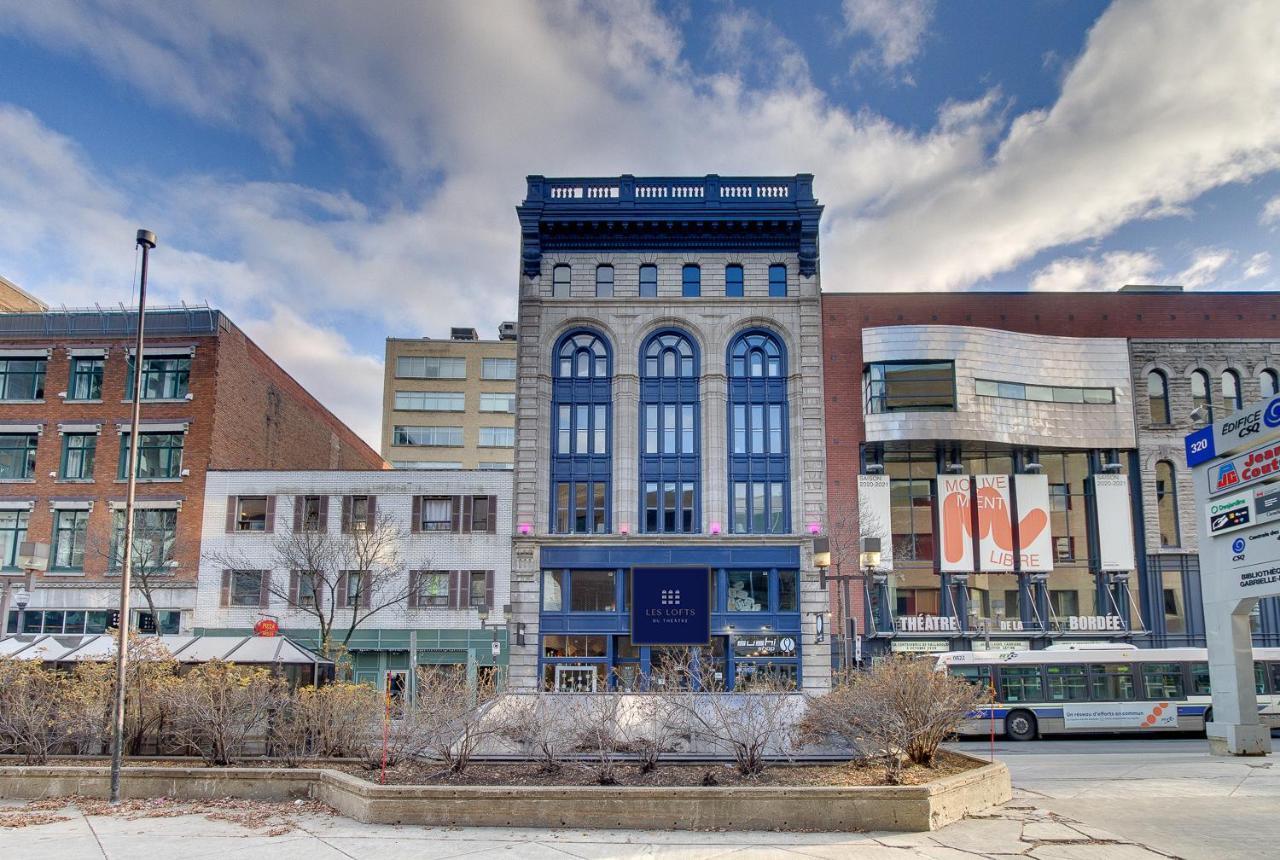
(1200, 679)
(1020, 684)
(979, 676)
(1067, 683)
(1163, 680)
(1275, 677)
(1111, 682)
(1259, 679)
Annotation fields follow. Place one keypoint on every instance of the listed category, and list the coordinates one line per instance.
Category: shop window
(592, 591)
(788, 595)
(1167, 504)
(553, 590)
(748, 591)
(917, 386)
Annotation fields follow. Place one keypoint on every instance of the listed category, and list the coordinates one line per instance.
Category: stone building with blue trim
(669, 429)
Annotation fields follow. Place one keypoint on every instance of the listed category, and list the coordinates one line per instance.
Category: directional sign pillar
(1236, 469)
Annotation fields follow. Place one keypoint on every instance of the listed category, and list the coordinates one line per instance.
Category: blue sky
(330, 176)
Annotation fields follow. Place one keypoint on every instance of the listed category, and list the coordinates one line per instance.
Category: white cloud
(1204, 268)
(1257, 265)
(1270, 212)
(896, 27)
(1109, 271)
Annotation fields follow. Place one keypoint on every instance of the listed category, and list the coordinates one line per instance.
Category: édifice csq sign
(1237, 484)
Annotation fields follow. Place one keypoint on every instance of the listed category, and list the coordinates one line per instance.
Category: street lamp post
(147, 241)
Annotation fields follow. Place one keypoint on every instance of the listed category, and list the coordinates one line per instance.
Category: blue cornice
(749, 213)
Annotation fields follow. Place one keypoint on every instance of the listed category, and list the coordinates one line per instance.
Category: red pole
(386, 725)
(991, 719)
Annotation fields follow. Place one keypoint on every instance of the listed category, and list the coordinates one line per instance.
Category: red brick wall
(266, 420)
(1128, 315)
(113, 410)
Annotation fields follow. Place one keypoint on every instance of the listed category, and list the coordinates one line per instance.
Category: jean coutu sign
(670, 605)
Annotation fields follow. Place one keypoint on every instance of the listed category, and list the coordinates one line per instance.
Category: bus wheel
(1020, 726)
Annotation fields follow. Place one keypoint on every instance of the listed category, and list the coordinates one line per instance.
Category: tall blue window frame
(670, 434)
(691, 281)
(581, 448)
(778, 280)
(733, 281)
(759, 438)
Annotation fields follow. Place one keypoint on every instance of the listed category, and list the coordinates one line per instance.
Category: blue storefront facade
(670, 460)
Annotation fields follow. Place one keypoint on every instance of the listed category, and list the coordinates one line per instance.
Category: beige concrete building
(450, 404)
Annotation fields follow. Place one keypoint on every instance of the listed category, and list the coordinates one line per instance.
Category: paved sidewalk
(1018, 829)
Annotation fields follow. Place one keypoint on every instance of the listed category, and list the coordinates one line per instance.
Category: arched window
(1158, 396)
(1167, 504)
(560, 282)
(604, 281)
(1231, 398)
(581, 459)
(759, 479)
(1200, 396)
(670, 463)
(1269, 382)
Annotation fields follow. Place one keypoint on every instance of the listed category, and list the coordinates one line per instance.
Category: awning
(261, 650)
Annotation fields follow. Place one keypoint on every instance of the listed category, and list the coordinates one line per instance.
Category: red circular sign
(266, 627)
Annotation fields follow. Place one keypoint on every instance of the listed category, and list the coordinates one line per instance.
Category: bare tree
(338, 580)
(456, 717)
(155, 550)
(217, 708)
(900, 707)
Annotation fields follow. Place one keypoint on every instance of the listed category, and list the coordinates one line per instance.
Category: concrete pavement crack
(89, 823)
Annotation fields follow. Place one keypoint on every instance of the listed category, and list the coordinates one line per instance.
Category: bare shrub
(324, 722)
(87, 703)
(595, 717)
(32, 716)
(538, 724)
(749, 723)
(900, 707)
(457, 717)
(148, 673)
(217, 708)
(654, 727)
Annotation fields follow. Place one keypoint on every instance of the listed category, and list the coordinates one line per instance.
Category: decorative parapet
(695, 207)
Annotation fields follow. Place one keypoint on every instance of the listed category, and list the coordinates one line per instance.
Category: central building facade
(670, 466)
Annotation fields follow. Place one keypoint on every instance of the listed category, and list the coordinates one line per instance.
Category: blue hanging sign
(670, 606)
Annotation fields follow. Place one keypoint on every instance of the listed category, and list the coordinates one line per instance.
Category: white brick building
(453, 530)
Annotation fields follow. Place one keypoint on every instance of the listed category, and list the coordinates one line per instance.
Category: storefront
(613, 616)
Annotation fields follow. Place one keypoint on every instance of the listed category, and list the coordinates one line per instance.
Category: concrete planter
(905, 808)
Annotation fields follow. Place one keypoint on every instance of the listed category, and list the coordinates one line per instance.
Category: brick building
(212, 399)
(1079, 390)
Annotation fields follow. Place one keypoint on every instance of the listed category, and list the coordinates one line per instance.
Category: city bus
(1082, 689)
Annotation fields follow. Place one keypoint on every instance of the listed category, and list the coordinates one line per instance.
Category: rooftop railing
(712, 189)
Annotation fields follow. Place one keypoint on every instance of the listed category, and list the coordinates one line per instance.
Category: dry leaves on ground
(271, 818)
